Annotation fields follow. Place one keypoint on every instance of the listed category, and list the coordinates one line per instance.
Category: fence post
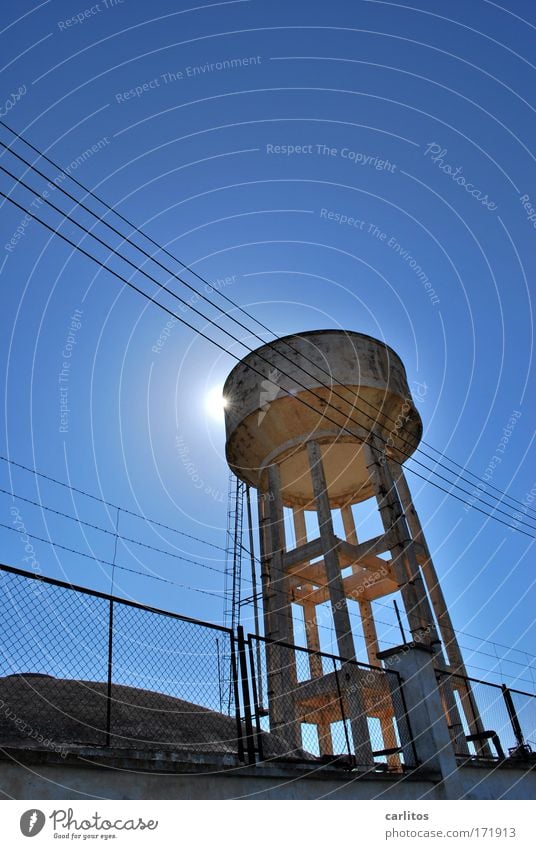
(510, 707)
(407, 740)
(250, 743)
(256, 703)
(341, 705)
(431, 735)
(234, 672)
(110, 667)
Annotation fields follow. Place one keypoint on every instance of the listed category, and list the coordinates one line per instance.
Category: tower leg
(404, 561)
(370, 634)
(280, 660)
(339, 607)
(446, 629)
(325, 741)
(316, 670)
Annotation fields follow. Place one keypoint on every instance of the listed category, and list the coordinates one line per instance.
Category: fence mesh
(53, 662)
(77, 667)
(319, 705)
(492, 718)
(168, 688)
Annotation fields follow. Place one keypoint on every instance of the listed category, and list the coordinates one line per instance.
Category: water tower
(321, 421)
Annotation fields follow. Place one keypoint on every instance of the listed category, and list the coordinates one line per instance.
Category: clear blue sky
(189, 116)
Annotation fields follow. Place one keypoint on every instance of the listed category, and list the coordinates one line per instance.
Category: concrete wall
(498, 783)
(42, 780)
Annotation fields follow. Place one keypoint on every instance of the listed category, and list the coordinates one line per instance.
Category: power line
(114, 506)
(471, 665)
(226, 298)
(200, 565)
(472, 636)
(108, 503)
(227, 333)
(167, 290)
(483, 640)
(109, 563)
(221, 572)
(203, 297)
(221, 347)
(205, 566)
(206, 318)
(392, 625)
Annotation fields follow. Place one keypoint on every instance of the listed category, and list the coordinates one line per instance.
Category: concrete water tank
(331, 385)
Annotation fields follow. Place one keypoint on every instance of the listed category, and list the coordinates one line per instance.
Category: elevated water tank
(329, 385)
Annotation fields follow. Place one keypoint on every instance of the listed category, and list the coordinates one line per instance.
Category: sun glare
(215, 403)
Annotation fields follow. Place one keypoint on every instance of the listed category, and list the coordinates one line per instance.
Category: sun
(215, 403)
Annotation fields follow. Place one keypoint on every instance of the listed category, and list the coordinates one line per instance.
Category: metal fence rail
(320, 705)
(77, 666)
(507, 718)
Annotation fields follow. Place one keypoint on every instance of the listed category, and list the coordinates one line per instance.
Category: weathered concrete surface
(136, 776)
(498, 783)
(426, 716)
(118, 774)
(264, 419)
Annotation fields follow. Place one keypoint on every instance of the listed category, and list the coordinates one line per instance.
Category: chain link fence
(80, 667)
(503, 719)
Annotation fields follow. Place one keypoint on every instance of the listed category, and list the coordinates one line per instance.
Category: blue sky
(243, 136)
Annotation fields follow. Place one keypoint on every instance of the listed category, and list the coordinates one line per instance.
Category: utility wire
(206, 318)
(108, 503)
(221, 347)
(394, 626)
(115, 506)
(390, 643)
(109, 563)
(196, 563)
(157, 283)
(472, 636)
(222, 295)
(113, 533)
(66, 216)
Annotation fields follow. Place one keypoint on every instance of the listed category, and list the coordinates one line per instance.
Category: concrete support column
(313, 639)
(349, 524)
(280, 661)
(404, 561)
(339, 607)
(309, 609)
(450, 642)
(300, 529)
(419, 612)
(426, 716)
(371, 638)
(365, 607)
(265, 548)
(280, 600)
(446, 628)
(325, 741)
